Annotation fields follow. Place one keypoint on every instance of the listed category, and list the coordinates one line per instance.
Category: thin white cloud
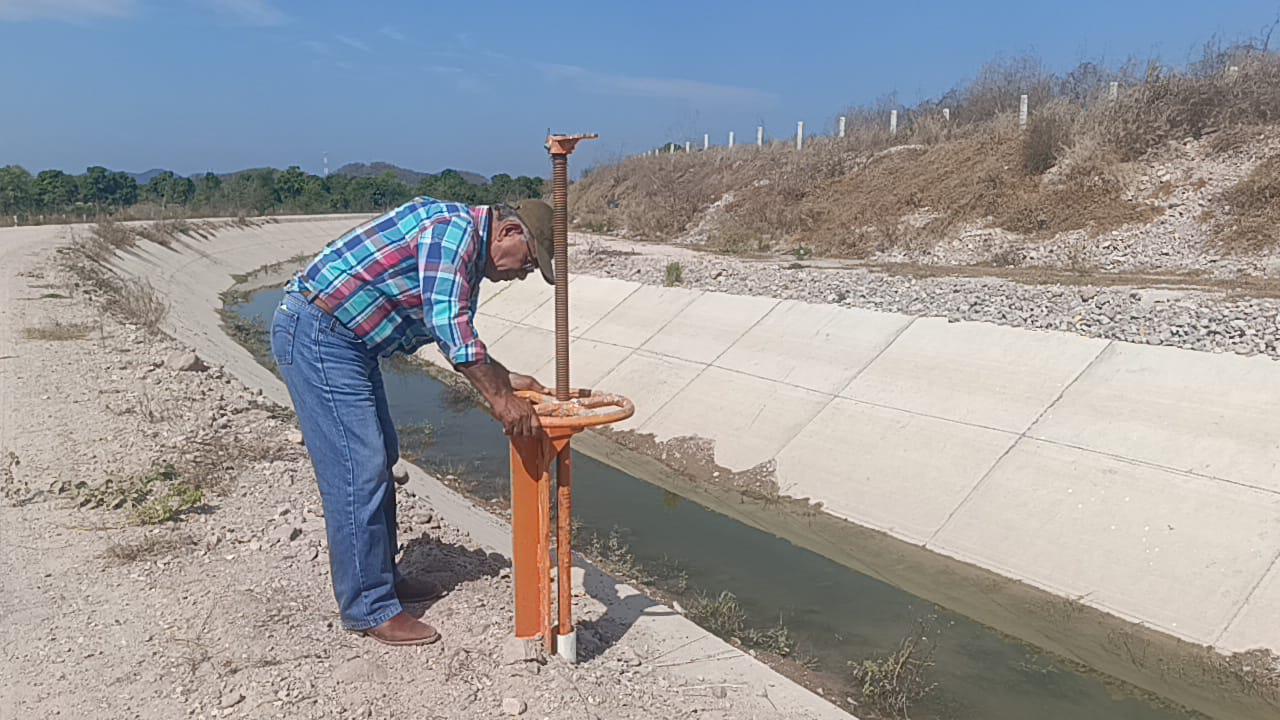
(393, 33)
(316, 47)
(259, 13)
(461, 79)
(352, 42)
(603, 83)
(73, 11)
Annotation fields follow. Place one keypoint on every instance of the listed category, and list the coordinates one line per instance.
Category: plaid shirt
(408, 277)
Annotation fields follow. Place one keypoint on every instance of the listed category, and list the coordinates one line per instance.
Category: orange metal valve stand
(531, 478)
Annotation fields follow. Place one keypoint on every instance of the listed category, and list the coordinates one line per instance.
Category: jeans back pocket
(284, 326)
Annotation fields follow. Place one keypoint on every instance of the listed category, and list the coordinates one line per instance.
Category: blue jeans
(337, 391)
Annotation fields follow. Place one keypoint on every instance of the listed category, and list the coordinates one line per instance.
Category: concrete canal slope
(1142, 480)
(191, 274)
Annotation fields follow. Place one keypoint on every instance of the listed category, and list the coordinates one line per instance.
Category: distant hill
(145, 177)
(404, 175)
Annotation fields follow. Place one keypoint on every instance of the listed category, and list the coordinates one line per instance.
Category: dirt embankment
(1169, 172)
(164, 555)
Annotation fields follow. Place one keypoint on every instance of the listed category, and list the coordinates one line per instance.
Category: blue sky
(195, 85)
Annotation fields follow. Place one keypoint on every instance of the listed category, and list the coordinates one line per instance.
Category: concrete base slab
(1198, 412)
(589, 362)
(709, 326)
(516, 301)
(641, 315)
(1120, 536)
(749, 419)
(1258, 623)
(997, 377)
(862, 461)
(818, 347)
(491, 329)
(650, 381)
(524, 349)
(590, 298)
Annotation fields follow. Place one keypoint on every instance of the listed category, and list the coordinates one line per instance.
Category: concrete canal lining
(1142, 481)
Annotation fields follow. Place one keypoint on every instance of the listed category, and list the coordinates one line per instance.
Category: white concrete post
(1022, 111)
(842, 122)
(687, 146)
(730, 138)
(706, 141)
(800, 135)
(1113, 91)
(946, 114)
(893, 122)
(760, 136)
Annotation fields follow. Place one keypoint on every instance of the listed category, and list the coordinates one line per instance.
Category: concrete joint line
(836, 396)
(1021, 437)
(704, 367)
(1155, 466)
(1105, 348)
(1226, 628)
(613, 309)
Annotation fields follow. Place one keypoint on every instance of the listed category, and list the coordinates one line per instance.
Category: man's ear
(509, 229)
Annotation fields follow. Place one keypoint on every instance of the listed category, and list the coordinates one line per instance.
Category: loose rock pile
(1186, 319)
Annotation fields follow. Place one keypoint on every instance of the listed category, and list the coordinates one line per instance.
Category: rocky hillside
(1177, 172)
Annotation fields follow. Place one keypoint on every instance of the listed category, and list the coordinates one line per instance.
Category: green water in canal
(835, 614)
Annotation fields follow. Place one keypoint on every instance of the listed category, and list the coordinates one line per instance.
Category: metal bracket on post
(562, 416)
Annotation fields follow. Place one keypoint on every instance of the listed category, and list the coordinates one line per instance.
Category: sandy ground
(226, 611)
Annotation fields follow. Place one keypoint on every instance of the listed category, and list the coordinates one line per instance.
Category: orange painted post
(562, 416)
(544, 553)
(526, 471)
(564, 540)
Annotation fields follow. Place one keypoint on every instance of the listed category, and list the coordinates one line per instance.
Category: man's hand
(524, 382)
(495, 383)
(517, 416)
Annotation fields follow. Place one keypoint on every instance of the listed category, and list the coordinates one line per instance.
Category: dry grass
(149, 547)
(137, 302)
(894, 683)
(1250, 217)
(874, 192)
(58, 331)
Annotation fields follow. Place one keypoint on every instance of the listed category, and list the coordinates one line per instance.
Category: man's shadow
(453, 565)
(624, 606)
(446, 563)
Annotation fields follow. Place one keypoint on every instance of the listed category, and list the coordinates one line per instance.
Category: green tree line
(267, 191)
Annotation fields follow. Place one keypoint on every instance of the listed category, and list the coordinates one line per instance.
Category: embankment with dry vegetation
(1174, 171)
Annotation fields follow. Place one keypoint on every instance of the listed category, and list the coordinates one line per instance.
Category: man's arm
(447, 253)
(521, 382)
(494, 383)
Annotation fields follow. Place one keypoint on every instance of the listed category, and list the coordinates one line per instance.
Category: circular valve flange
(584, 409)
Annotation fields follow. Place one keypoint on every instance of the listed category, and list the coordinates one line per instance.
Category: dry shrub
(137, 302)
(116, 236)
(1250, 220)
(1048, 134)
(58, 331)
(651, 197)
(1170, 106)
(148, 547)
(894, 683)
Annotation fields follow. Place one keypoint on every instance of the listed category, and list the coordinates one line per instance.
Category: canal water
(835, 615)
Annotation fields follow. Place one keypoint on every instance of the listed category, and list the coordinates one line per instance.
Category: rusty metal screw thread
(560, 235)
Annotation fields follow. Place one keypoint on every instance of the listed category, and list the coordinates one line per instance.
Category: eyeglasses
(532, 264)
